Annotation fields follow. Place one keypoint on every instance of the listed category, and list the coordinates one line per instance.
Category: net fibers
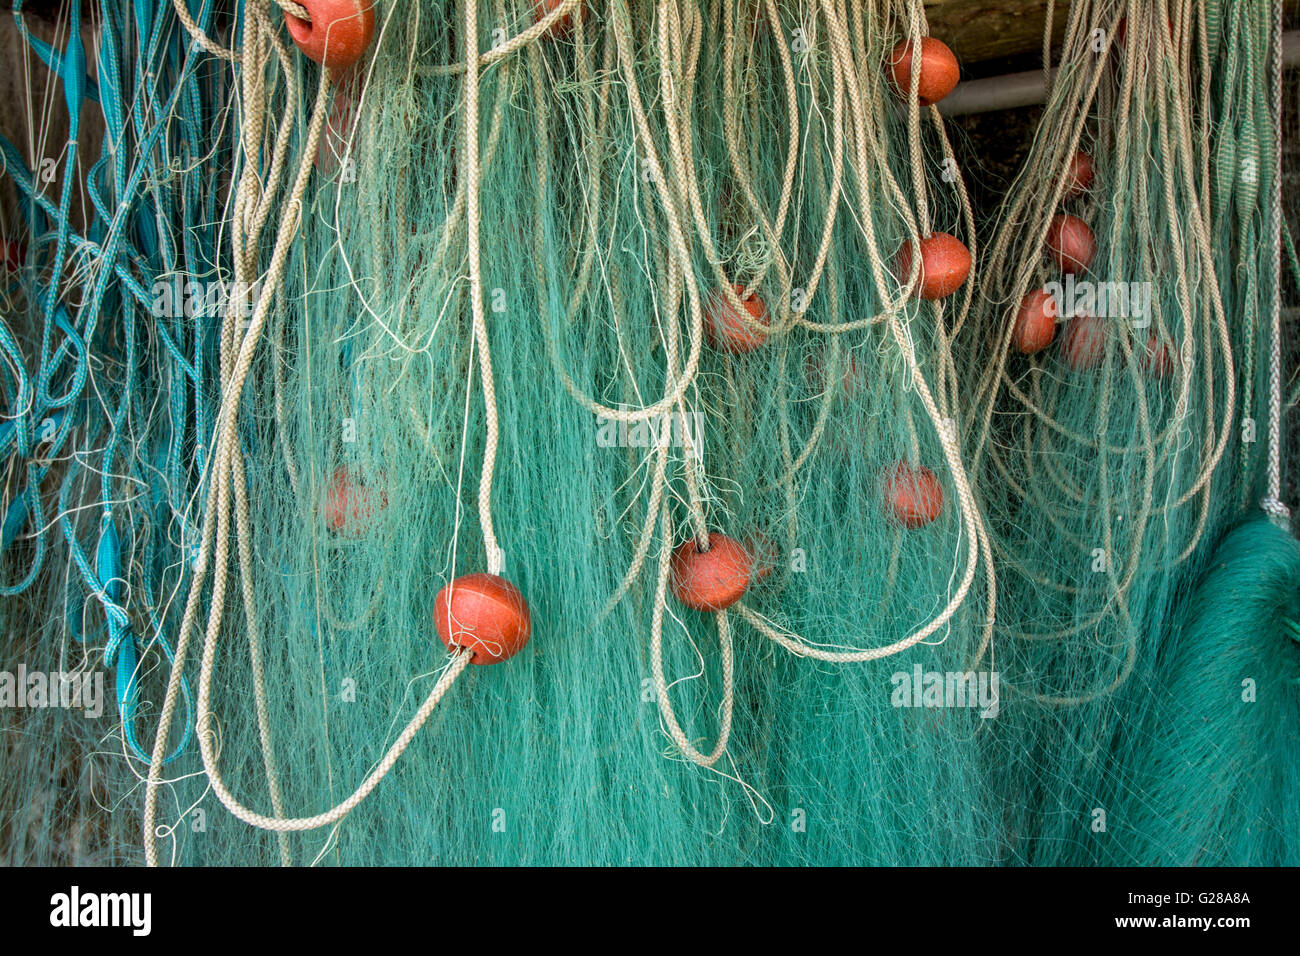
(554, 296)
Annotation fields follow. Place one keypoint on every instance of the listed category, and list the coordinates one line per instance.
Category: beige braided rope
(228, 470)
(495, 558)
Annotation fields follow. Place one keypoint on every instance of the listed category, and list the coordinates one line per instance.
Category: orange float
(727, 330)
(913, 495)
(1071, 244)
(1159, 359)
(939, 70)
(945, 264)
(485, 614)
(853, 372)
(1036, 322)
(338, 32)
(350, 506)
(714, 579)
(12, 255)
(1084, 342)
(542, 8)
(1079, 175)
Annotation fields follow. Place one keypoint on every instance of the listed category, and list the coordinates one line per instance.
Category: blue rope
(146, 222)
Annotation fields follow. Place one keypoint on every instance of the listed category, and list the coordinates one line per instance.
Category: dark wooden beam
(987, 30)
(980, 30)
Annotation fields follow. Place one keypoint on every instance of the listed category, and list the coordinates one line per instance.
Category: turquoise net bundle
(1115, 457)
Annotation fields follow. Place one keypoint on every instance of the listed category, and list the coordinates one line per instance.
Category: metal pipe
(1014, 90)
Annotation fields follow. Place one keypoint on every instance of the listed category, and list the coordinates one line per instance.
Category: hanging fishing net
(603, 433)
(1121, 420)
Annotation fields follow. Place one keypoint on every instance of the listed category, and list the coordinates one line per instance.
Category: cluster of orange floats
(1072, 246)
(484, 614)
(716, 578)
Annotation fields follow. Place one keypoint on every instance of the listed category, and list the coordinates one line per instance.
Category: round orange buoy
(1159, 359)
(913, 495)
(338, 32)
(483, 613)
(853, 373)
(714, 579)
(725, 328)
(1036, 322)
(1079, 175)
(945, 264)
(1084, 342)
(561, 26)
(350, 506)
(12, 255)
(939, 70)
(1071, 244)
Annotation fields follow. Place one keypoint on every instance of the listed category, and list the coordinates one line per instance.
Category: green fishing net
(597, 298)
